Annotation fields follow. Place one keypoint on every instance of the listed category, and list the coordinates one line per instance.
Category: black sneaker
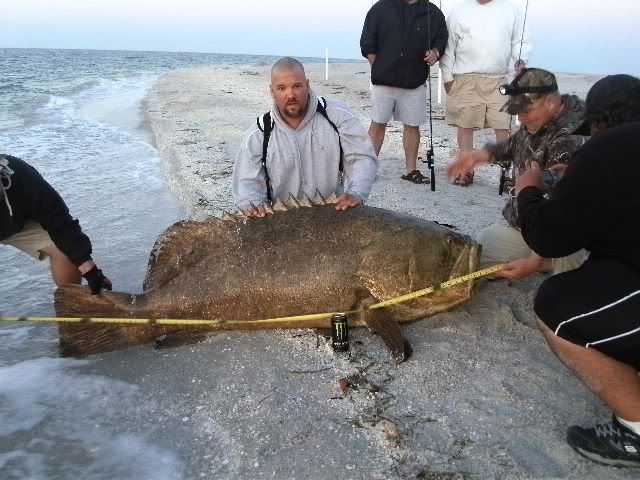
(608, 444)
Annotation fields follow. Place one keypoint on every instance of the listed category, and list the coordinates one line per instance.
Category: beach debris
(306, 258)
(344, 384)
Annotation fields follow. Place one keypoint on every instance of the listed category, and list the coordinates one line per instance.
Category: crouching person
(590, 316)
(35, 219)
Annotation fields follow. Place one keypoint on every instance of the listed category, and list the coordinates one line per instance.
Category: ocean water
(76, 116)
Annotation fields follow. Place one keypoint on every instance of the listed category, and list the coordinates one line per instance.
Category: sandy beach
(481, 398)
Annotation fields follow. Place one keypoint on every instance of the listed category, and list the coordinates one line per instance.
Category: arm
(441, 36)
(491, 153)
(501, 153)
(248, 183)
(360, 160)
(369, 36)
(47, 208)
(466, 162)
(523, 267)
(578, 212)
(448, 58)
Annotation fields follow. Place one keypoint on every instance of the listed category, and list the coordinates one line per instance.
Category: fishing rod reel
(430, 155)
(431, 165)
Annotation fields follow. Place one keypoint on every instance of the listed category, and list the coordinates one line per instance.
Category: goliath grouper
(306, 258)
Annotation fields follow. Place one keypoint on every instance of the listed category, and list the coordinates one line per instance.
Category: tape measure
(292, 319)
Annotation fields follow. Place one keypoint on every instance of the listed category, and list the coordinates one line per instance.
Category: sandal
(416, 177)
(464, 180)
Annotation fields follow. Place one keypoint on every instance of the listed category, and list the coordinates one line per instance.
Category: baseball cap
(608, 93)
(528, 86)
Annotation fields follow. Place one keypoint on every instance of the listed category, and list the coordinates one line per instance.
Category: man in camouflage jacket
(545, 136)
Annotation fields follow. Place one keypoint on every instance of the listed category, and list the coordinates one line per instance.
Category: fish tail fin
(77, 301)
(85, 337)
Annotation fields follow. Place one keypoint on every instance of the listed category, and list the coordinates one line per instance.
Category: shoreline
(472, 402)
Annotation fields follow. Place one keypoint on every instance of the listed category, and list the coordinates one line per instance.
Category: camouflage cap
(528, 86)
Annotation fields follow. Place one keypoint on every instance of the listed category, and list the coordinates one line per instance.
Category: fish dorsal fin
(240, 216)
(279, 206)
(318, 199)
(228, 217)
(333, 198)
(292, 201)
(305, 201)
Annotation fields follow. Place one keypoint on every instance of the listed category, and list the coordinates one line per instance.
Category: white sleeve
(248, 182)
(360, 160)
(449, 58)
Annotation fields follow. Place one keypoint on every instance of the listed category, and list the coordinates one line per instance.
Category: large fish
(306, 258)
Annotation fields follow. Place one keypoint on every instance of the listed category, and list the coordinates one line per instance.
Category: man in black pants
(590, 316)
(35, 219)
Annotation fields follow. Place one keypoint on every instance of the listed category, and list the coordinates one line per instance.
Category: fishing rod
(430, 155)
(503, 174)
(524, 24)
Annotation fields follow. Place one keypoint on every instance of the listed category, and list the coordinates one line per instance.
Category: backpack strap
(322, 108)
(266, 126)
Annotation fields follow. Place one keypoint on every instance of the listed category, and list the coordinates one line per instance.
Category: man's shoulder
(254, 134)
(15, 164)
(462, 6)
(382, 5)
(11, 160)
(574, 112)
(623, 136)
(505, 4)
(337, 107)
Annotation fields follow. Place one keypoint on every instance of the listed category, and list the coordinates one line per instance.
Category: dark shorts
(596, 306)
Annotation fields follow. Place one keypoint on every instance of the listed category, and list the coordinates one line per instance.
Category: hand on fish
(258, 211)
(346, 200)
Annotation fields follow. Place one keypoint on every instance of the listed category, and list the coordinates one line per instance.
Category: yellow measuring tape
(293, 319)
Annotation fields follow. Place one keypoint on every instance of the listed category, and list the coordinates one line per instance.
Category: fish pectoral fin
(382, 323)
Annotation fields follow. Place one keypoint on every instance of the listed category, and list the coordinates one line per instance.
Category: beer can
(339, 333)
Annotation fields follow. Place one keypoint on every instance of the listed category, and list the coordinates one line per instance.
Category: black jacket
(596, 204)
(30, 197)
(400, 48)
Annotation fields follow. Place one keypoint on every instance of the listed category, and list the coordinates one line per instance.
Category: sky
(581, 36)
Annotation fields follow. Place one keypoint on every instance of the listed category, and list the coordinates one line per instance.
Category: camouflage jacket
(551, 145)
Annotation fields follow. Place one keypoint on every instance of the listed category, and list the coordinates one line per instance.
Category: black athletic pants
(596, 306)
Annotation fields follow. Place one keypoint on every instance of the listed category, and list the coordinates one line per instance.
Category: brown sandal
(416, 177)
(464, 180)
